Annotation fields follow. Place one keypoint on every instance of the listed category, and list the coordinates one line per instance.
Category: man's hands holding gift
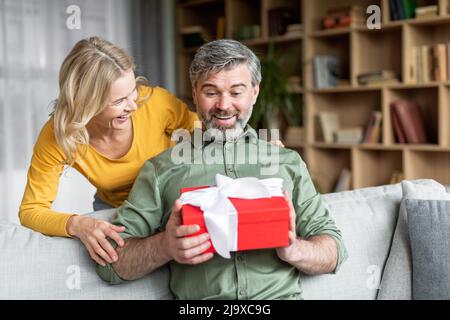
(292, 252)
(316, 255)
(185, 250)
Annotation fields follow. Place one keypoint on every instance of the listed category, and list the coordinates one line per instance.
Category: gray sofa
(33, 266)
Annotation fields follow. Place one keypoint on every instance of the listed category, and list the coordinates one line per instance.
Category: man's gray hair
(223, 54)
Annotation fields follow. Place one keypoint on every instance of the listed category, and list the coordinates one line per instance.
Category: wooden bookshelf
(360, 50)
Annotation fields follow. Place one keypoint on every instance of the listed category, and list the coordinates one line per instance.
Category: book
(375, 76)
(328, 124)
(427, 12)
(279, 19)
(440, 58)
(394, 10)
(373, 130)
(352, 135)
(344, 181)
(426, 63)
(326, 71)
(397, 177)
(411, 120)
(409, 8)
(415, 70)
(401, 10)
(398, 130)
(448, 61)
(295, 27)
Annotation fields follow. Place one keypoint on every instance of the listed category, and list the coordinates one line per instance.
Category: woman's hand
(93, 233)
(277, 143)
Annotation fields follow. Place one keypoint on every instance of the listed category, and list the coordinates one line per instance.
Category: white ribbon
(220, 215)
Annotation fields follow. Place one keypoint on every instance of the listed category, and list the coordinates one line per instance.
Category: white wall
(34, 39)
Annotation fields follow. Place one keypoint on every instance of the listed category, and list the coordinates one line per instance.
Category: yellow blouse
(153, 123)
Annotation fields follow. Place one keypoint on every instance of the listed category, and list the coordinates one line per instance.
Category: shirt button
(242, 292)
(240, 258)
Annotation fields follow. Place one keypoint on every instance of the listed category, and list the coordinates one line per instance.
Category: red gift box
(262, 223)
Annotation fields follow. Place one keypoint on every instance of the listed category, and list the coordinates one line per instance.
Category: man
(225, 77)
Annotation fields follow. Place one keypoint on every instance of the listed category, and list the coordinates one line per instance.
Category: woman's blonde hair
(85, 80)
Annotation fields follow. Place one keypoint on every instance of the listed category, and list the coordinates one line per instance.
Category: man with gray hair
(225, 77)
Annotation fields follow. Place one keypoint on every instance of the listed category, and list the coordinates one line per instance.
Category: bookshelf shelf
(379, 146)
(194, 3)
(375, 167)
(323, 145)
(359, 50)
(429, 22)
(330, 33)
(277, 39)
(384, 27)
(345, 88)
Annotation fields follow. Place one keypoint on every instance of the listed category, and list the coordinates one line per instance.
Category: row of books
(430, 63)
(408, 123)
(332, 132)
(408, 9)
(402, 9)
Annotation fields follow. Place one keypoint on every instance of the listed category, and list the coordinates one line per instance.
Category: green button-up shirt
(255, 274)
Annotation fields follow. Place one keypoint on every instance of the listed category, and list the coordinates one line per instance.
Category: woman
(105, 124)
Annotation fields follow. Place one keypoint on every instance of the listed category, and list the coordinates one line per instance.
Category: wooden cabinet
(359, 50)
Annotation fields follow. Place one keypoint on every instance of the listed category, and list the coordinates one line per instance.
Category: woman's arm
(41, 190)
(42, 186)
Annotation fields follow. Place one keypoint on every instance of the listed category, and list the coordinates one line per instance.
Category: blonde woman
(106, 123)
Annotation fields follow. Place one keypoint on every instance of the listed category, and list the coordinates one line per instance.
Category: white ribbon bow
(220, 215)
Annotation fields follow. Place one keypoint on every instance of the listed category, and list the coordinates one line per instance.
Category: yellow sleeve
(42, 186)
(175, 113)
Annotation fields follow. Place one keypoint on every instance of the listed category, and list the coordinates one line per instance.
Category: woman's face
(122, 103)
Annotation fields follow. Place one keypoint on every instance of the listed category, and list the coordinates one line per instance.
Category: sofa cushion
(366, 218)
(396, 281)
(42, 267)
(429, 231)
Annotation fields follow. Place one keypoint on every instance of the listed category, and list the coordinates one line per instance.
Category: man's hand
(185, 250)
(292, 252)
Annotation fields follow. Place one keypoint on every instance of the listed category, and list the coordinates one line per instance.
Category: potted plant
(276, 101)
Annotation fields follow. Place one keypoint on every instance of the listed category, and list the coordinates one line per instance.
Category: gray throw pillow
(429, 231)
(396, 283)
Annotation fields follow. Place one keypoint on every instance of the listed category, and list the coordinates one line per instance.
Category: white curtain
(34, 39)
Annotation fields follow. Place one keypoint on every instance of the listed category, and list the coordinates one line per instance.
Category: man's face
(225, 99)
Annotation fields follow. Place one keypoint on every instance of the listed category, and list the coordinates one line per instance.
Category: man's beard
(232, 132)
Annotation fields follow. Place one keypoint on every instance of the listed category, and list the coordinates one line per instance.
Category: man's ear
(255, 93)
(194, 95)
